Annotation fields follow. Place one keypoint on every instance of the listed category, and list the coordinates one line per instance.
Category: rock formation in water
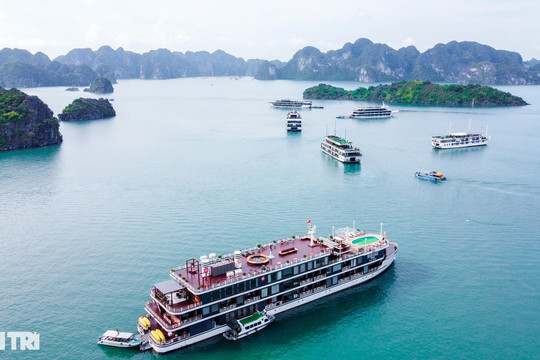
(87, 109)
(26, 122)
(100, 86)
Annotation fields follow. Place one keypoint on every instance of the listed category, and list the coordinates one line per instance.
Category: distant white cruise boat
(286, 103)
(372, 112)
(294, 121)
(459, 140)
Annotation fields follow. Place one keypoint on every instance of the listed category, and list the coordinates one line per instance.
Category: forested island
(87, 109)
(419, 92)
(26, 121)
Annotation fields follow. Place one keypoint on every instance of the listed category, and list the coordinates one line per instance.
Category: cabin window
(310, 265)
(275, 289)
(287, 272)
(206, 310)
(241, 287)
(336, 268)
(287, 285)
(278, 276)
(269, 276)
(264, 292)
(229, 290)
(302, 268)
(215, 308)
(295, 270)
(215, 295)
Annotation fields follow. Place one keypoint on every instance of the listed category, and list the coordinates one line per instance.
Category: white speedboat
(119, 339)
(430, 175)
(248, 325)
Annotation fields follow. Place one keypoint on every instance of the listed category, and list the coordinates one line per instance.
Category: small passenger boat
(430, 175)
(248, 325)
(119, 339)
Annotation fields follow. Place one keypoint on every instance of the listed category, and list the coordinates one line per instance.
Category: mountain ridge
(364, 61)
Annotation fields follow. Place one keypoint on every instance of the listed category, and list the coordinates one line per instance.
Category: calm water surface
(194, 166)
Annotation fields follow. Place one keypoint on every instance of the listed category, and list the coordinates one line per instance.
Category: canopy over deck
(117, 334)
(167, 287)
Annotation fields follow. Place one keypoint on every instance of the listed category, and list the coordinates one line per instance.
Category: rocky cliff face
(455, 62)
(363, 60)
(25, 122)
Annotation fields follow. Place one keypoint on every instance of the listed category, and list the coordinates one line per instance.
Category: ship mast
(311, 232)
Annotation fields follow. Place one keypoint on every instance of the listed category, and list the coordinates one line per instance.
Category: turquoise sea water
(194, 166)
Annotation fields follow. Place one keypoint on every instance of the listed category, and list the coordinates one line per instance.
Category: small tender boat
(119, 339)
(248, 325)
(430, 175)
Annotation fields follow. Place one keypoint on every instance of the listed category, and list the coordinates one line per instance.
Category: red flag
(309, 221)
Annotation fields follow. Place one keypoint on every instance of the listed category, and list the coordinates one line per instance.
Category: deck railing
(269, 268)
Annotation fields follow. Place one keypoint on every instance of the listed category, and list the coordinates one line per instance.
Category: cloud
(297, 42)
(92, 34)
(407, 42)
(122, 38)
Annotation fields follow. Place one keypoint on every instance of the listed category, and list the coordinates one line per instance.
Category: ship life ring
(196, 299)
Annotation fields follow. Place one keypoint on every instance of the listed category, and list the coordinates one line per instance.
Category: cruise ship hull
(274, 310)
(458, 146)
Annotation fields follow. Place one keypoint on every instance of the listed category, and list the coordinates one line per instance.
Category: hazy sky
(266, 29)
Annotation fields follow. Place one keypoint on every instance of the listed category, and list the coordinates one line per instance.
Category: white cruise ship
(340, 149)
(459, 140)
(292, 104)
(372, 112)
(205, 295)
(294, 121)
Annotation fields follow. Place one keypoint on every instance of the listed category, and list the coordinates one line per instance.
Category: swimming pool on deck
(365, 240)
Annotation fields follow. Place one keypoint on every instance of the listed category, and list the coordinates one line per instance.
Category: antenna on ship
(381, 230)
